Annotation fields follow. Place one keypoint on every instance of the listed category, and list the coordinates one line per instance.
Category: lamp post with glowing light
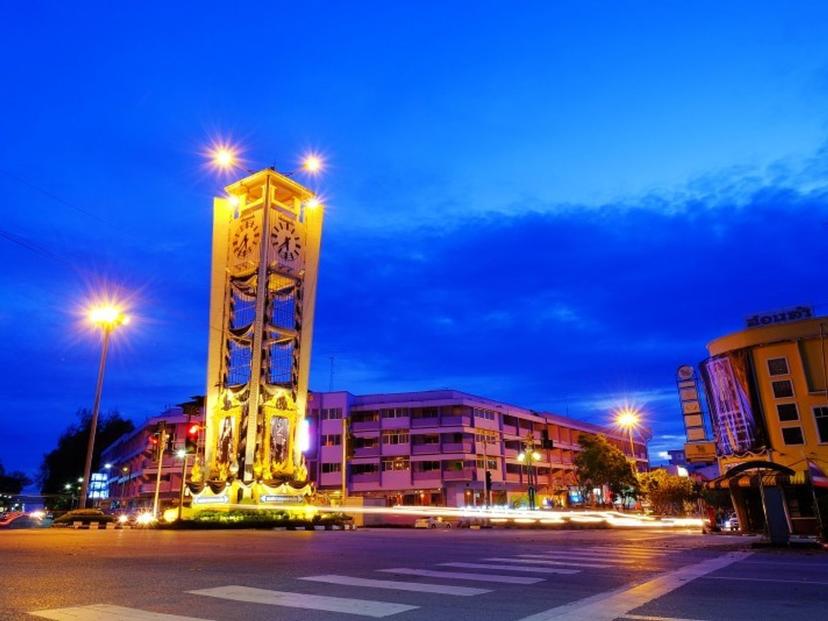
(628, 419)
(529, 457)
(107, 318)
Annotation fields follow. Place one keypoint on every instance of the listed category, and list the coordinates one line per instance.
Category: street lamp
(529, 457)
(629, 418)
(107, 317)
(312, 163)
(182, 454)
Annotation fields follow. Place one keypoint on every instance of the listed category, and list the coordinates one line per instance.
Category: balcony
(367, 451)
(366, 425)
(395, 450)
(425, 422)
(399, 422)
(466, 474)
(367, 477)
(424, 449)
(452, 421)
(456, 447)
(432, 476)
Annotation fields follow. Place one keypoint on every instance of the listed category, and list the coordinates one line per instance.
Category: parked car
(432, 522)
(731, 523)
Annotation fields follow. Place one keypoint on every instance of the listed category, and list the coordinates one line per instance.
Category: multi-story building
(767, 392)
(132, 465)
(434, 448)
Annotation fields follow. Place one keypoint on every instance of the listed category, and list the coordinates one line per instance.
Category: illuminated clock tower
(266, 238)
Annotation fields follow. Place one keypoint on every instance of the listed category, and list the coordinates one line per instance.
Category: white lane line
(346, 605)
(580, 557)
(651, 618)
(462, 575)
(396, 585)
(535, 561)
(626, 552)
(525, 569)
(105, 612)
(614, 604)
(747, 579)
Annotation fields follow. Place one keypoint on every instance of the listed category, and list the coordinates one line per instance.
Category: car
(731, 523)
(431, 522)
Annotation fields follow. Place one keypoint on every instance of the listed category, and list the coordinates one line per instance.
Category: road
(457, 575)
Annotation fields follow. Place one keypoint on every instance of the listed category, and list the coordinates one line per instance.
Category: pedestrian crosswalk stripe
(629, 552)
(522, 568)
(397, 585)
(462, 575)
(346, 605)
(582, 557)
(534, 561)
(105, 612)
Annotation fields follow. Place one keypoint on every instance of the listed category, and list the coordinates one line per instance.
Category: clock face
(286, 241)
(245, 239)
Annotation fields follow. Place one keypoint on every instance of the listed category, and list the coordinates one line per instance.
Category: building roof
(766, 335)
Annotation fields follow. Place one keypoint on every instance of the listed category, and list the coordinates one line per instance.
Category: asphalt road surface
(456, 575)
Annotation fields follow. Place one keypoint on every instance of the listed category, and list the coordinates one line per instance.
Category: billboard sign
(737, 424)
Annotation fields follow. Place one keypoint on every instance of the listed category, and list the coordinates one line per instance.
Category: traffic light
(488, 481)
(191, 440)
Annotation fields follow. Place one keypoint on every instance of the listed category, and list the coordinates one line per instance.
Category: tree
(668, 494)
(65, 463)
(12, 483)
(599, 463)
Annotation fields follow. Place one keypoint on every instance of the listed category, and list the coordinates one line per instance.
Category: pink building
(434, 448)
(133, 468)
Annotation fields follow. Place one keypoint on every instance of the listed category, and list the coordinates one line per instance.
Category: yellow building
(767, 392)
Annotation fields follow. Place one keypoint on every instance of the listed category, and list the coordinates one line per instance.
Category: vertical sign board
(691, 409)
(698, 448)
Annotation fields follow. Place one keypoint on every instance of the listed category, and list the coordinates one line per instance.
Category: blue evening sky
(552, 204)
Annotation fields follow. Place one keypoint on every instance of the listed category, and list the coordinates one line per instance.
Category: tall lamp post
(107, 318)
(529, 457)
(629, 418)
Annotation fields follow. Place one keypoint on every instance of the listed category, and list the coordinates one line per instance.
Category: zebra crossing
(520, 569)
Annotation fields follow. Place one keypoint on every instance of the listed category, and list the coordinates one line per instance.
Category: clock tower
(266, 239)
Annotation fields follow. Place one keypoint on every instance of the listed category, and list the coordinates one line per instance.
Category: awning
(768, 479)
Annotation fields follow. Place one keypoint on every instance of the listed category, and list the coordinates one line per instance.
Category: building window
(331, 439)
(426, 466)
(778, 366)
(792, 436)
(787, 412)
(331, 467)
(396, 463)
(782, 389)
(514, 468)
(431, 438)
(821, 416)
(364, 468)
(364, 417)
(331, 413)
(394, 412)
(485, 436)
(364, 443)
(395, 436)
(481, 463)
(485, 414)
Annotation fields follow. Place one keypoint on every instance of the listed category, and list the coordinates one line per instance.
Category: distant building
(767, 393)
(434, 448)
(133, 467)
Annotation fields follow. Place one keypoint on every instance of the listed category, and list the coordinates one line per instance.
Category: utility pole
(162, 442)
(181, 492)
(344, 458)
(93, 424)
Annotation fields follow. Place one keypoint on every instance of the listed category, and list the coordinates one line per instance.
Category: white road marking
(346, 605)
(105, 612)
(627, 551)
(396, 585)
(817, 582)
(525, 569)
(651, 618)
(581, 557)
(614, 604)
(535, 561)
(463, 575)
